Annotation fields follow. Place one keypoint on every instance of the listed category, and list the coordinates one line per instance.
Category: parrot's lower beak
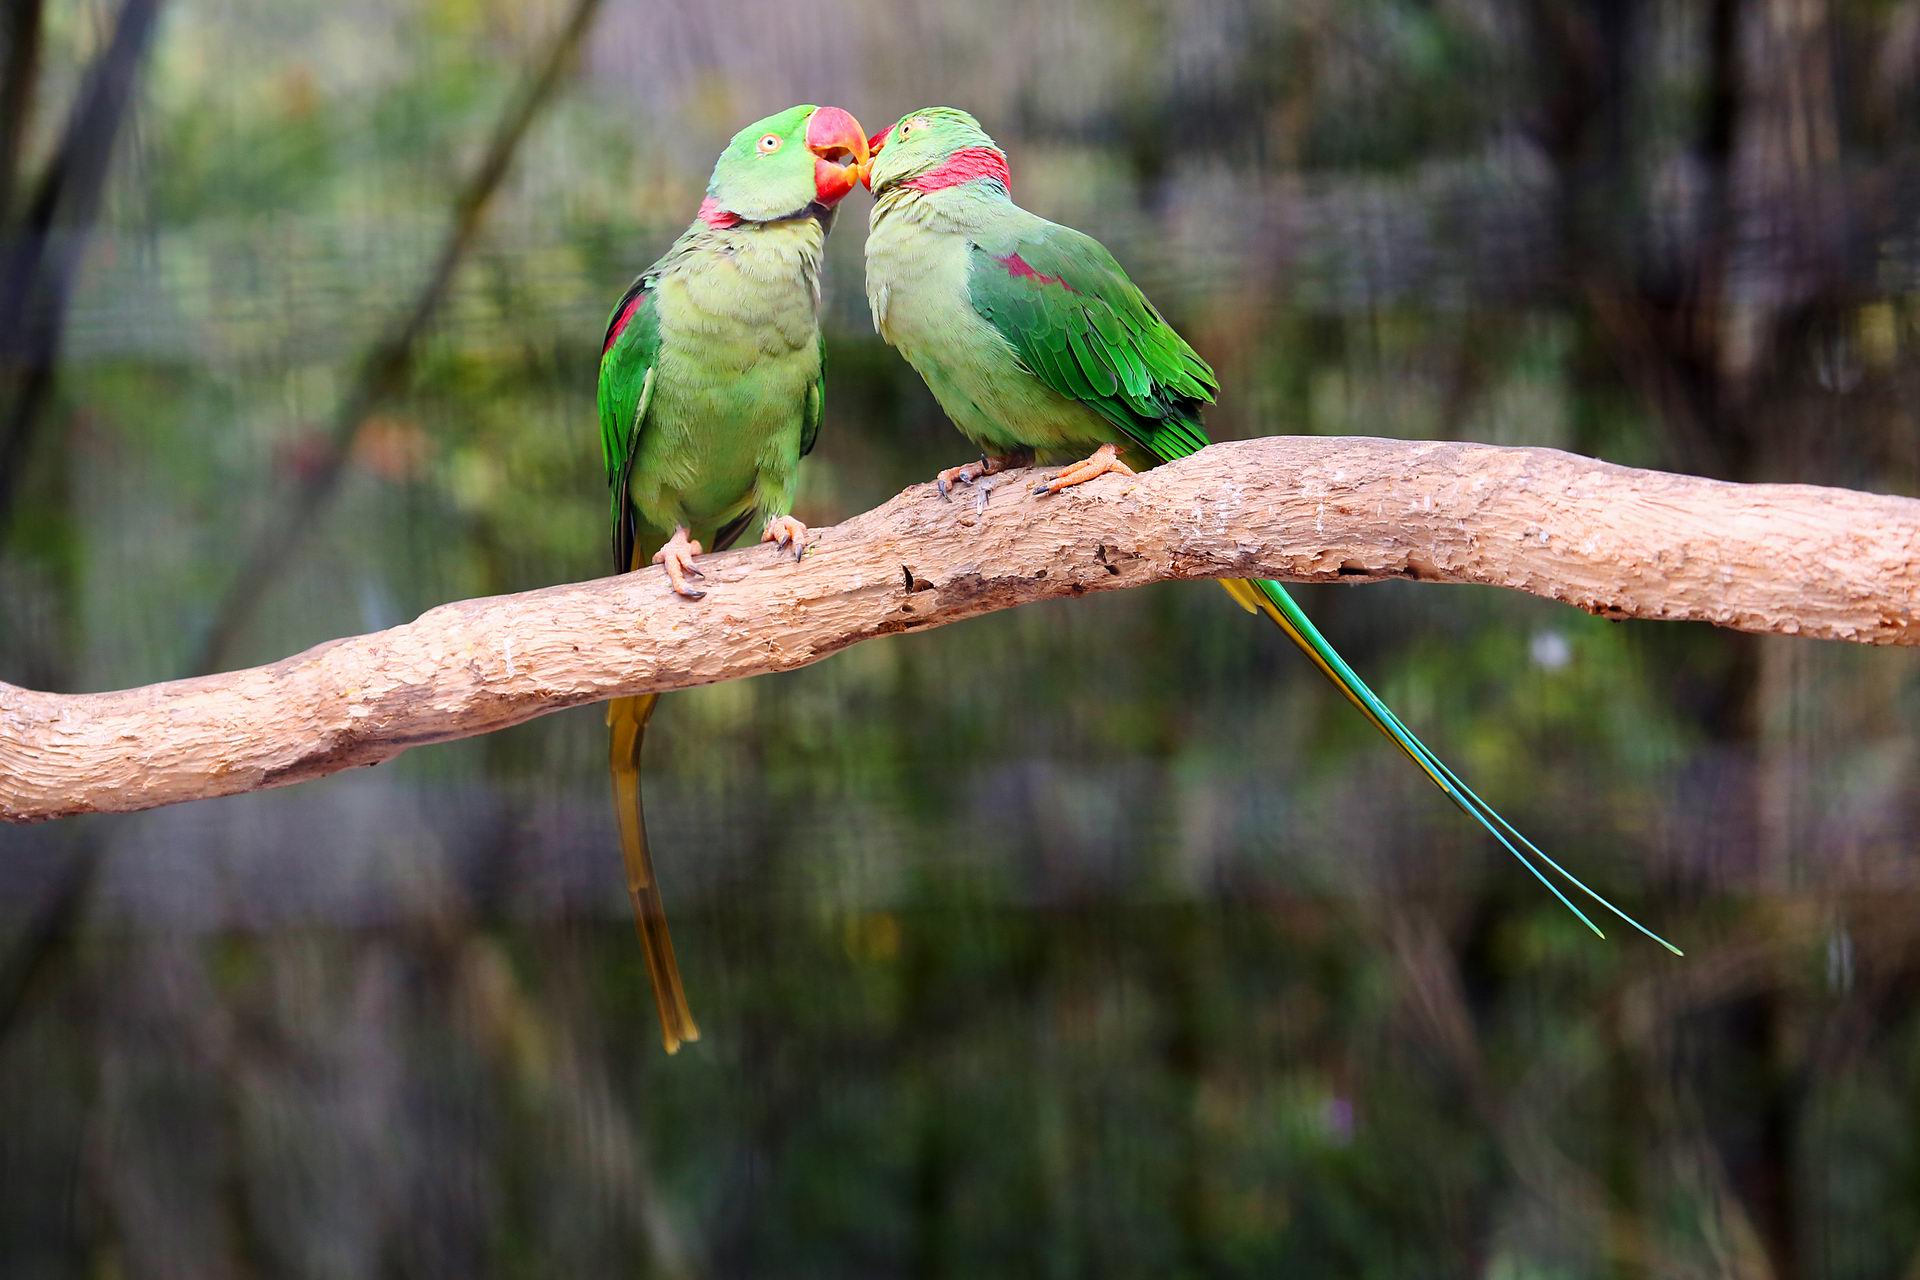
(840, 147)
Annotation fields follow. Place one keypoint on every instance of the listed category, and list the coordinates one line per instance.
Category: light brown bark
(1611, 540)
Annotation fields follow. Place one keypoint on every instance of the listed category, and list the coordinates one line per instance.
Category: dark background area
(1098, 938)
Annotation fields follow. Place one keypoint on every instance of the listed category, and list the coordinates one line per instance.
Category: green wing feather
(1084, 329)
(816, 406)
(629, 355)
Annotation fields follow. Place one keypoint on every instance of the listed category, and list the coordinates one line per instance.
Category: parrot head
(784, 165)
(932, 148)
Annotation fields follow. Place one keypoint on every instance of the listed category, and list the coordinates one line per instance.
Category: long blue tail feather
(1270, 597)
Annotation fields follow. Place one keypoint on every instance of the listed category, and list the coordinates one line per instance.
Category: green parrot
(1035, 342)
(712, 376)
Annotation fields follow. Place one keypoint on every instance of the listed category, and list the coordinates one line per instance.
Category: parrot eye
(769, 144)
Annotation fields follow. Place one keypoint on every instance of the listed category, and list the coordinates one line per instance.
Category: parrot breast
(739, 358)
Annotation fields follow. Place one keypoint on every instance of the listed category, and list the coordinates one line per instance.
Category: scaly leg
(677, 555)
(785, 531)
(1106, 458)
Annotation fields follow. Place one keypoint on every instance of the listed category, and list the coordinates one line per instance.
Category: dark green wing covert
(628, 357)
(816, 404)
(1083, 328)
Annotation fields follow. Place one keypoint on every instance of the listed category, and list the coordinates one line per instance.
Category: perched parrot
(1035, 342)
(711, 382)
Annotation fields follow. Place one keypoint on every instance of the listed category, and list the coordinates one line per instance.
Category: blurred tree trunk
(18, 75)
(1784, 281)
(41, 244)
(40, 251)
(1714, 336)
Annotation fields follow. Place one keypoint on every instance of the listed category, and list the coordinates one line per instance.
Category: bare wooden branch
(1611, 540)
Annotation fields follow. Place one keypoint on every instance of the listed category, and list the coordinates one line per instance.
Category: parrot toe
(965, 473)
(676, 556)
(1105, 459)
(976, 472)
(785, 531)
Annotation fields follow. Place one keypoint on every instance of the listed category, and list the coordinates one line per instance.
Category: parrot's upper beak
(874, 144)
(840, 145)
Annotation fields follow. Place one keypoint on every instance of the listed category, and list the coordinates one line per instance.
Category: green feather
(1086, 353)
(816, 406)
(626, 388)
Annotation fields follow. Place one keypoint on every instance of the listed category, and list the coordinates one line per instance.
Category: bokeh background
(1092, 939)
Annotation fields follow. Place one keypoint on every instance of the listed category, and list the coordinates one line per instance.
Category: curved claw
(786, 531)
(971, 473)
(676, 555)
(1103, 460)
(965, 473)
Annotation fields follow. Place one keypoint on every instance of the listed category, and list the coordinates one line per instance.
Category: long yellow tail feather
(627, 722)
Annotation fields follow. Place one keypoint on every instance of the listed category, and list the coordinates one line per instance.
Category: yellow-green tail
(627, 722)
(1270, 598)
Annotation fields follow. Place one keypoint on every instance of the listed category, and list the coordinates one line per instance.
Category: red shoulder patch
(965, 166)
(1020, 269)
(619, 325)
(714, 216)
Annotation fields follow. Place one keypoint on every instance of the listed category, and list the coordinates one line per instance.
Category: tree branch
(1792, 559)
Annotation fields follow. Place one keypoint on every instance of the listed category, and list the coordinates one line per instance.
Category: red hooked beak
(874, 144)
(840, 146)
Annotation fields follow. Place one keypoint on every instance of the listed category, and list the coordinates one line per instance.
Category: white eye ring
(769, 144)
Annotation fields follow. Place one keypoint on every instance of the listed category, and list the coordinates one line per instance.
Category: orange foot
(785, 531)
(677, 555)
(968, 473)
(1106, 458)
